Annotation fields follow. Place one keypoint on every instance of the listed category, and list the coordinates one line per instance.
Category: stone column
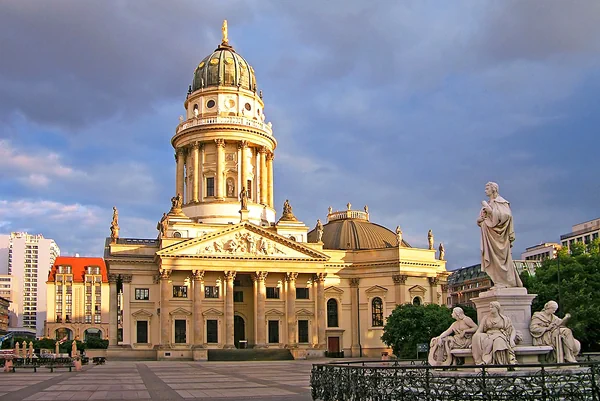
(220, 168)
(354, 317)
(195, 157)
(399, 281)
(165, 295)
(180, 176)
(189, 175)
(229, 339)
(201, 189)
(112, 310)
(244, 164)
(291, 308)
(264, 190)
(433, 281)
(125, 318)
(198, 278)
(445, 295)
(321, 308)
(270, 156)
(260, 295)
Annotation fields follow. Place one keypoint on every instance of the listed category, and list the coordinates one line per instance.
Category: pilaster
(354, 317)
(165, 295)
(433, 281)
(321, 308)
(198, 279)
(259, 317)
(290, 278)
(399, 282)
(113, 310)
(229, 313)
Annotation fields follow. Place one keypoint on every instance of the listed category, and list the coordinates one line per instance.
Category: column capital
(399, 278)
(242, 144)
(126, 278)
(229, 275)
(433, 280)
(165, 274)
(179, 151)
(198, 275)
(220, 143)
(444, 287)
(291, 277)
(354, 282)
(195, 145)
(112, 278)
(319, 277)
(270, 156)
(263, 150)
(259, 276)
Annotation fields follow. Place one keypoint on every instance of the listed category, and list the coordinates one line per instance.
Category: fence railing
(388, 381)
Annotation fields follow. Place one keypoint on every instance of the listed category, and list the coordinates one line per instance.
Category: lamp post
(558, 266)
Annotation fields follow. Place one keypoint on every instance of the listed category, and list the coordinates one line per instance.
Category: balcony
(229, 120)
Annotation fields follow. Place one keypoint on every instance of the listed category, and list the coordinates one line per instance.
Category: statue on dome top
(225, 40)
(330, 210)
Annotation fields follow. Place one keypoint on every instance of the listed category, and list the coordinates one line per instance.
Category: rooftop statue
(399, 235)
(547, 329)
(441, 346)
(430, 239)
(319, 231)
(163, 225)
(287, 208)
(497, 236)
(442, 251)
(114, 225)
(244, 198)
(176, 202)
(495, 339)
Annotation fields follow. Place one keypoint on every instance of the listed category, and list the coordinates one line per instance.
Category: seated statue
(547, 329)
(440, 347)
(494, 341)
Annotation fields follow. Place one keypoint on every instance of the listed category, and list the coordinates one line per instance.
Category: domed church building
(227, 272)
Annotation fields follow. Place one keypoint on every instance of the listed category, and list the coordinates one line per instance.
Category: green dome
(224, 67)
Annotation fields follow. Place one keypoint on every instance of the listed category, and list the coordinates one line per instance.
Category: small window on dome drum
(248, 107)
(210, 104)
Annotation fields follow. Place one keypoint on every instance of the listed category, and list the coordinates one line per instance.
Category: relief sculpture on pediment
(243, 243)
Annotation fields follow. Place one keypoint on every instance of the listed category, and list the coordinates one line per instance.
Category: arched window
(377, 312)
(416, 301)
(332, 313)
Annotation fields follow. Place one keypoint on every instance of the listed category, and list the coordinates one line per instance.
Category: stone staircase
(249, 355)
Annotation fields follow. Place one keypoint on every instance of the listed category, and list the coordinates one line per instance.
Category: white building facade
(543, 251)
(28, 259)
(585, 232)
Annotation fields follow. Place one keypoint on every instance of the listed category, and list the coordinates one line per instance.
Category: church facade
(226, 272)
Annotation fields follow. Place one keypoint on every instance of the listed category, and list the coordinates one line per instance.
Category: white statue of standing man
(442, 251)
(319, 231)
(430, 239)
(497, 235)
(399, 235)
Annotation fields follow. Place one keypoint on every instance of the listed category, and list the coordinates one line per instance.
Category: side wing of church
(225, 273)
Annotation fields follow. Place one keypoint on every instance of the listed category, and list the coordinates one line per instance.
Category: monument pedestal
(516, 304)
(244, 214)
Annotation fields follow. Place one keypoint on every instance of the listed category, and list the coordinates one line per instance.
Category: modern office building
(543, 251)
(29, 258)
(77, 299)
(585, 232)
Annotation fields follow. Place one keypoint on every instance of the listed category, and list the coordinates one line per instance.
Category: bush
(96, 343)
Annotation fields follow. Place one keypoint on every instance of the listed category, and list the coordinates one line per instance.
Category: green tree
(409, 325)
(578, 248)
(579, 286)
(96, 343)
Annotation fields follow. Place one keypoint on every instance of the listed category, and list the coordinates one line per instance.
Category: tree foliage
(409, 325)
(579, 287)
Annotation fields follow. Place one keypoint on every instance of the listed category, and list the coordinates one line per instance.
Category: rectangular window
(142, 332)
(238, 296)
(302, 293)
(210, 186)
(88, 318)
(274, 331)
(272, 292)
(211, 291)
(212, 331)
(249, 188)
(302, 331)
(179, 291)
(97, 319)
(180, 327)
(142, 294)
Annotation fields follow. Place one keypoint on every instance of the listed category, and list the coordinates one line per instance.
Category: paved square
(120, 380)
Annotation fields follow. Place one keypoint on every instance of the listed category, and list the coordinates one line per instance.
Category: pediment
(304, 312)
(376, 290)
(141, 313)
(212, 312)
(242, 241)
(180, 311)
(417, 289)
(274, 312)
(333, 291)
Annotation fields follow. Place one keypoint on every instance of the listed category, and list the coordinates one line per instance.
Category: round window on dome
(247, 106)
(210, 104)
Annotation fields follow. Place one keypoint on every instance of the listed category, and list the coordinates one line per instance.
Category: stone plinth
(244, 214)
(200, 354)
(516, 304)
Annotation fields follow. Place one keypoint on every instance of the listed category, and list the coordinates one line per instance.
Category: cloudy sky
(409, 107)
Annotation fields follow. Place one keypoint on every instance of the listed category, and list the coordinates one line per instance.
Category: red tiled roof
(78, 267)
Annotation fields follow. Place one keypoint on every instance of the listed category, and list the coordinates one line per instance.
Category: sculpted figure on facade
(114, 225)
(319, 231)
(548, 329)
(230, 188)
(176, 202)
(494, 341)
(287, 208)
(399, 235)
(430, 239)
(329, 210)
(497, 236)
(440, 347)
(163, 225)
(442, 251)
(244, 198)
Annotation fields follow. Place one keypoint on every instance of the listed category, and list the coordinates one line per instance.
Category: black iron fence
(391, 381)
